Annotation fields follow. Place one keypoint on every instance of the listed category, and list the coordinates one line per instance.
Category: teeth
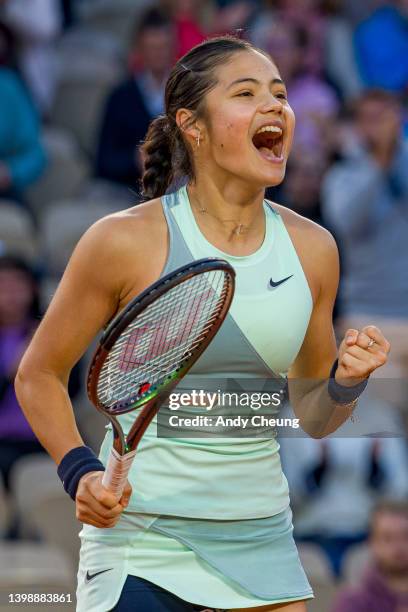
(269, 128)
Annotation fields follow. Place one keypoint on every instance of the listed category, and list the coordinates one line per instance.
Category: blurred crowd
(80, 80)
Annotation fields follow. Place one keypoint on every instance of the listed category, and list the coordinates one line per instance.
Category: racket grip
(116, 472)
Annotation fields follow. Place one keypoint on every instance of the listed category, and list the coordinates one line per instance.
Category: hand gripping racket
(148, 348)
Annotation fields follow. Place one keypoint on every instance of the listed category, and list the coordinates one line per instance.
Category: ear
(186, 123)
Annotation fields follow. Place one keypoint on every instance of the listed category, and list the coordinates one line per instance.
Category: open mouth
(269, 142)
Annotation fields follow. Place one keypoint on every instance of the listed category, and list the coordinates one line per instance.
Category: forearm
(45, 402)
(319, 414)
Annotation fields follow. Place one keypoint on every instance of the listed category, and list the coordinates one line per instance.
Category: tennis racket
(148, 348)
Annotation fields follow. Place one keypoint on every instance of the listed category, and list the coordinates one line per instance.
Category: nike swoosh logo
(90, 577)
(279, 282)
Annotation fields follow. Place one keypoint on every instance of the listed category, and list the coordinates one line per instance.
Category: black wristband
(341, 394)
(77, 462)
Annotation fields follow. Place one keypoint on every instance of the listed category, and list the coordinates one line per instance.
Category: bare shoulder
(136, 225)
(127, 248)
(315, 246)
(308, 231)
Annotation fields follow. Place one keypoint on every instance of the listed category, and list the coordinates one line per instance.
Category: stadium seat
(80, 98)
(66, 171)
(31, 477)
(4, 508)
(17, 234)
(82, 40)
(116, 17)
(324, 596)
(355, 561)
(33, 566)
(320, 575)
(53, 516)
(43, 508)
(315, 562)
(116, 195)
(62, 227)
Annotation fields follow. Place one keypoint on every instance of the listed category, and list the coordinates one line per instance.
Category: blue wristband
(341, 394)
(77, 462)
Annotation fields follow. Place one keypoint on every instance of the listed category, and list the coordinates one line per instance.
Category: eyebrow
(255, 81)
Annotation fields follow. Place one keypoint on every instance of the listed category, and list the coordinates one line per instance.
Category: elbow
(314, 430)
(27, 378)
(22, 381)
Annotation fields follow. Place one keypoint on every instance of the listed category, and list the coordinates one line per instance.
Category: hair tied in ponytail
(156, 149)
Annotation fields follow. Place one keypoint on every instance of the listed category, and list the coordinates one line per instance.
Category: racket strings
(175, 342)
(162, 337)
(171, 317)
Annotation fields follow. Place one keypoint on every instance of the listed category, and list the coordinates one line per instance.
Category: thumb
(127, 492)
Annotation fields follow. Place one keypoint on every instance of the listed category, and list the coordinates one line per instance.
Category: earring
(198, 139)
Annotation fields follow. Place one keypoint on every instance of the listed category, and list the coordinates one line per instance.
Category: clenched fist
(360, 353)
(97, 506)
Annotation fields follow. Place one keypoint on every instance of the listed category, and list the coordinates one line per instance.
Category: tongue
(267, 153)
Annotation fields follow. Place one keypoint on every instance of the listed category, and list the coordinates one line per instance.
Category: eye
(282, 95)
(245, 93)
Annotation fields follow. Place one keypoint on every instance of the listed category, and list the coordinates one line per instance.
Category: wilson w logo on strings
(152, 339)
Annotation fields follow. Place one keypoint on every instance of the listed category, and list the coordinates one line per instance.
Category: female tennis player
(204, 523)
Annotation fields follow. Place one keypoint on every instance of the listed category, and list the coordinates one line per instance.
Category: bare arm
(85, 300)
(308, 385)
(309, 372)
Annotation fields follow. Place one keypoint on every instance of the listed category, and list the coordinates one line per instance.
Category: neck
(229, 215)
(230, 199)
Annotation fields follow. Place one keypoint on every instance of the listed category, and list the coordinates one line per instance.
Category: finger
(84, 514)
(356, 367)
(376, 334)
(96, 522)
(105, 497)
(87, 500)
(364, 341)
(127, 492)
(100, 499)
(351, 336)
(371, 360)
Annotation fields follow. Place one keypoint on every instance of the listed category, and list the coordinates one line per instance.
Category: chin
(273, 179)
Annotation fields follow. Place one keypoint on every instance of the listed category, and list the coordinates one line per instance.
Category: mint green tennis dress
(209, 517)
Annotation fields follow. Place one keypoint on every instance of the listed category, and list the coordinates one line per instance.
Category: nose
(272, 103)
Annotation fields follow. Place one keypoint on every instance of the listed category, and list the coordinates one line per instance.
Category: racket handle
(116, 472)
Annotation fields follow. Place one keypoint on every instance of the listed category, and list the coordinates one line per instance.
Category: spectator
(7, 47)
(384, 587)
(328, 50)
(36, 24)
(188, 30)
(365, 201)
(22, 157)
(189, 18)
(136, 101)
(384, 65)
(335, 481)
(19, 314)
(301, 189)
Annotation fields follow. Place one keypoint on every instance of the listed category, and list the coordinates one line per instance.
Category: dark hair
(151, 18)
(7, 46)
(389, 506)
(166, 156)
(14, 262)
(371, 93)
